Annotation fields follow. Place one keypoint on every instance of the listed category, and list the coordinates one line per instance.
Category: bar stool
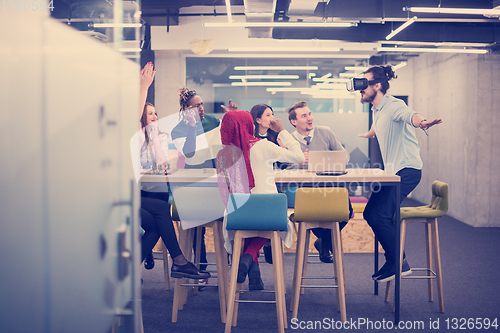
(193, 206)
(257, 215)
(324, 208)
(427, 214)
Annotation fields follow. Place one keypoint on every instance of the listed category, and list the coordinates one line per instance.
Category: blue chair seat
(257, 212)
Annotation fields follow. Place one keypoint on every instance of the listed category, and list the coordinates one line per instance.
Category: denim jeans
(381, 207)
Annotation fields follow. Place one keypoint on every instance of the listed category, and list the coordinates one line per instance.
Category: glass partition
(280, 83)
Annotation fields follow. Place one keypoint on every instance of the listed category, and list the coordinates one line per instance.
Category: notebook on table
(327, 163)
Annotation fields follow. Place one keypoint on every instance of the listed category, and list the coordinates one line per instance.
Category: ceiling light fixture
(275, 68)
(254, 77)
(130, 49)
(440, 10)
(356, 68)
(260, 84)
(330, 80)
(430, 50)
(283, 49)
(280, 24)
(283, 55)
(117, 25)
(228, 10)
(401, 27)
(400, 65)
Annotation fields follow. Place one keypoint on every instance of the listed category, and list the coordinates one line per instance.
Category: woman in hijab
(245, 165)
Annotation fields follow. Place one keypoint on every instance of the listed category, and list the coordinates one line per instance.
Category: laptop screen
(327, 161)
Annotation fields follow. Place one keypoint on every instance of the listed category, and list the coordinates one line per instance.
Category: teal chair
(257, 215)
(427, 214)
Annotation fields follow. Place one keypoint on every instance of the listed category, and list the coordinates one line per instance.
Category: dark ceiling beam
(418, 31)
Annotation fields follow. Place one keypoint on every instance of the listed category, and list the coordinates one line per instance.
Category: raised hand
(276, 125)
(368, 135)
(230, 106)
(191, 116)
(147, 75)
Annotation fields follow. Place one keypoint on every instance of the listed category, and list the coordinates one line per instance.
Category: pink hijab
(234, 174)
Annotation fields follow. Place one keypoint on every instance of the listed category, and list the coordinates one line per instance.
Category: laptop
(327, 163)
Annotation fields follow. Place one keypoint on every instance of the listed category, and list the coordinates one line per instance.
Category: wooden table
(354, 177)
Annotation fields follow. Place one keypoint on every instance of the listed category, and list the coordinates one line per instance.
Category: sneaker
(381, 271)
(390, 273)
(268, 255)
(254, 279)
(246, 261)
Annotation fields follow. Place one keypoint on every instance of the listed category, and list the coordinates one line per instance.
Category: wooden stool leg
(283, 286)
(278, 280)
(428, 250)
(232, 285)
(221, 284)
(282, 262)
(437, 264)
(306, 257)
(239, 286)
(299, 266)
(166, 269)
(339, 270)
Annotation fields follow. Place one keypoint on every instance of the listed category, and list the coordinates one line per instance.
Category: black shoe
(324, 253)
(149, 262)
(243, 267)
(268, 254)
(390, 273)
(381, 270)
(254, 279)
(188, 270)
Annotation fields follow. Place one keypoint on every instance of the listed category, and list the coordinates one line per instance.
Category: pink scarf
(234, 174)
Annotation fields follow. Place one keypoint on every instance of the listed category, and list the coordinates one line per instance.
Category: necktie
(308, 139)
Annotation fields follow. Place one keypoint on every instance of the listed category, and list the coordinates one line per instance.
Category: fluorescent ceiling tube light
(348, 74)
(250, 77)
(330, 80)
(117, 25)
(440, 10)
(275, 68)
(401, 27)
(282, 55)
(261, 84)
(284, 89)
(356, 68)
(400, 65)
(228, 10)
(430, 50)
(283, 49)
(280, 24)
(130, 49)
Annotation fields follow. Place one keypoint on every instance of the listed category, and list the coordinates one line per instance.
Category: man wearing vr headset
(394, 126)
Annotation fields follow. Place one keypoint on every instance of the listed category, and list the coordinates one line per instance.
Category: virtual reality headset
(361, 83)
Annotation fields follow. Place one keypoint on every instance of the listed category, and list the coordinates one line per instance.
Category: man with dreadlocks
(197, 131)
(194, 137)
(394, 126)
